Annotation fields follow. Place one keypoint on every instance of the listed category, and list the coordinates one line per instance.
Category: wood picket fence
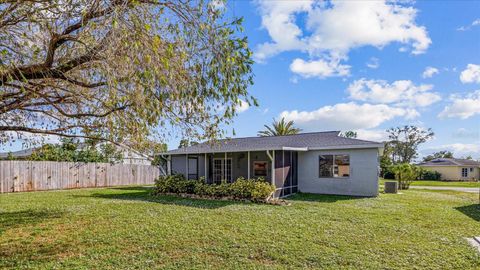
(19, 176)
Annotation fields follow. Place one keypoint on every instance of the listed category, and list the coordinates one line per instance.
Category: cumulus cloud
(319, 68)
(429, 72)
(471, 74)
(334, 28)
(372, 135)
(373, 63)
(346, 116)
(462, 107)
(242, 106)
(402, 92)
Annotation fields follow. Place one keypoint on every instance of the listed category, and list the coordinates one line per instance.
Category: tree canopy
(279, 128)
(404, 141)
(440, 154)
(120, 70)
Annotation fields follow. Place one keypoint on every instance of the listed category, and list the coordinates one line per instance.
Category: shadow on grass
(310, 197)
(472, 211)
(9, 220)
(137, 193)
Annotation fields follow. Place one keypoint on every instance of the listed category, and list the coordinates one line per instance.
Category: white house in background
(452, 169)
(130, 156)
(319, 162)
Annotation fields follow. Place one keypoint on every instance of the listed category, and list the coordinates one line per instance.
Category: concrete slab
(474, 242)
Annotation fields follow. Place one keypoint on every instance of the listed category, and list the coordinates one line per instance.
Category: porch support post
(169, 165)
(186, 166)
(225, 167)
(248, 166)
(205, 167)
(272, 159)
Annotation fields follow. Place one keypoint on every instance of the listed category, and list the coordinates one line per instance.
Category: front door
(222, 169)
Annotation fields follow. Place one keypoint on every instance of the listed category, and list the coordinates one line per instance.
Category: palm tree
(279, 128)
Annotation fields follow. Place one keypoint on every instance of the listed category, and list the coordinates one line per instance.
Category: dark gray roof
(450, 162)
(306, 141)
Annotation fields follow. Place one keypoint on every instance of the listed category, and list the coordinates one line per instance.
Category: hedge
(255, 190)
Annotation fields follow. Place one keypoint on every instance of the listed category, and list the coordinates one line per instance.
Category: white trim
(186, 166)
(205, 167)
(248, 166)
(301, 149)
(333, 147)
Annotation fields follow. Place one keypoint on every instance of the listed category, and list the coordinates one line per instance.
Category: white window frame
(222, 170)
(464, 175)
(333, 167)
(260, 161)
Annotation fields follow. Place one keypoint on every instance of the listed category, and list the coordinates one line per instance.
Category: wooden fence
(18, 176)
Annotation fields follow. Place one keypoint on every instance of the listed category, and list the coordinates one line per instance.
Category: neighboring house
(454, 168)
(130, 156)
(320, 162)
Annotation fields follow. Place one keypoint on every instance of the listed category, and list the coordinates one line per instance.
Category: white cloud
(471, 74)
(401, 93)
(372, 135)
(462, 107)
(458, 149)
(373, 63)
(337, 27)
(319, 68)
(242, 106)
(345, 116)
(468, 27)
(429, 72)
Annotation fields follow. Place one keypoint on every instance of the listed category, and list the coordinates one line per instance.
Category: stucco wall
(363, 179)
(452, 173)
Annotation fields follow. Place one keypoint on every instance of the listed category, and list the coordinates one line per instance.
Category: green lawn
(126, 228)
(440, 183)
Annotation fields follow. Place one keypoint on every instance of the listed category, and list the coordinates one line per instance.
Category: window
(192, 167)
(334, 166)
(260, 168)
(471, 169)
(464, 172)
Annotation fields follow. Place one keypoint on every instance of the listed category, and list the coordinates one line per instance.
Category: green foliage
(440, 154)
(349, 134)
(405, 174)
(404, 141)
(279, 128)
(70, 151)
(430, 175)
(256, 190)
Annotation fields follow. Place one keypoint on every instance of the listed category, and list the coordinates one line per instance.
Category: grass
(126, 228)
(440, 183)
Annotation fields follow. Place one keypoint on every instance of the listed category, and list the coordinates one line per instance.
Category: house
(454, 168)
(319, 162)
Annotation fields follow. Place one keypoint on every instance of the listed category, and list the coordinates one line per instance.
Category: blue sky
(364, 66)
(342, 72)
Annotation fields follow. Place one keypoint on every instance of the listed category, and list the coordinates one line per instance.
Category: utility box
(391, 187)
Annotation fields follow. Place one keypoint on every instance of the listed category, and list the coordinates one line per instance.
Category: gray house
(320, 162)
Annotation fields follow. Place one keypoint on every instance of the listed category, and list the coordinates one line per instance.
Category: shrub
(256, 190)
(405, 173)
(430, 175)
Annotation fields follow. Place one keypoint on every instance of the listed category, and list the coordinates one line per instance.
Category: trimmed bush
(430, 175)
(255, 190)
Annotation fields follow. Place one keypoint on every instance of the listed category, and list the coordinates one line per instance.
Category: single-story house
(452, 169)
(318, 162)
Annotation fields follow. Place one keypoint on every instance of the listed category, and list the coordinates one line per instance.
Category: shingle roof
(314, 140)
(450, 162)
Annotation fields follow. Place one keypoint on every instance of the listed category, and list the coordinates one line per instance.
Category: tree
(120, 70)
(440, 154)
(405, 140)
(349, 134)
(186, 142)
(279, 128)
(405, 173)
